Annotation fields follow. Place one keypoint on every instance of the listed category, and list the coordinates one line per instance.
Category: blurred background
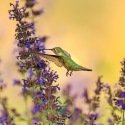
(92, 31)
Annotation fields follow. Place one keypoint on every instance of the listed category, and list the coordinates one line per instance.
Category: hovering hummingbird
(63, 58)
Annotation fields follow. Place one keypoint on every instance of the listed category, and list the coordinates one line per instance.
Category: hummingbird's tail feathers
(86, 69)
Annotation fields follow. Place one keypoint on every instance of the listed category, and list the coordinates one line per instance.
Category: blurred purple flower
(30, 72)
(93, 116)
(40, 81)
(120, 103)
(36, 108)
(40, 43)
(28, 44)
(122, 94)
(16, 82)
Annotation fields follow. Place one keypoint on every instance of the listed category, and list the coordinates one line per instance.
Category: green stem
(26, 110)
(123, 115)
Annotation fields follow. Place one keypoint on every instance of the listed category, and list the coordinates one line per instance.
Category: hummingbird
(63, 59)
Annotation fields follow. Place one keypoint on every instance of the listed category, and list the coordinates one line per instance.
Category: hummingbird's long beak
(47, 49)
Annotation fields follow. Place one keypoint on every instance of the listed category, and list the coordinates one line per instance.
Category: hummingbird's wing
(54, 58)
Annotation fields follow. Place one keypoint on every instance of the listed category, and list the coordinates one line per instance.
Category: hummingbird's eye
(55, 50)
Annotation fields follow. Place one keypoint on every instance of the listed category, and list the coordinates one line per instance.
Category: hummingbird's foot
(70, 73)
(67, 73)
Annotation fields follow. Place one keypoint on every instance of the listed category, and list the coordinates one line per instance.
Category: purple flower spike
(40, 78)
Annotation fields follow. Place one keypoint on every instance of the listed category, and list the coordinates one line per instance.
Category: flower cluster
(115, 100)
(39, 81)
(7, 114)
(77, 115)
(119, 96)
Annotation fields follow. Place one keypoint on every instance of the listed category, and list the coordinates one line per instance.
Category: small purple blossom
(40, 81)
(31, 72)
(93, 116)
(28, 44)
(120, 104)
(122, 94)
(4, 116)
(36, 108)
(40, 64)
(16, 82)
(39, 44)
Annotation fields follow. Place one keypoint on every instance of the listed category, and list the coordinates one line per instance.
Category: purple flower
(30, 72)
(122, 94)
(28, 44)
(38, 94)
(40, 43)
(40, 81)
(40, 64)
(93, 116)
(24, 88)
(16, 82)
(36, 109)
(44, 100)
(17, 13)
(120, 103)
(4, 116)
(77, 112)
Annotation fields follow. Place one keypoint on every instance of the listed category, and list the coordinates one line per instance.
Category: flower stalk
(123, 117)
